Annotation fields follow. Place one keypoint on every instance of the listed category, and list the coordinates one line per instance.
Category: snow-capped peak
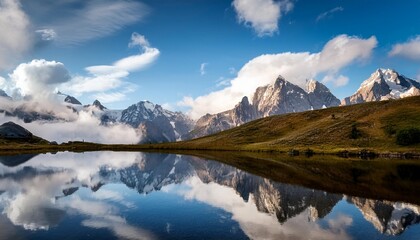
(384, 84)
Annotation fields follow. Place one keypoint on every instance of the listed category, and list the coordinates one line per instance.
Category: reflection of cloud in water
(84, 165)
(30, 191)
(259, 225)
(104, 215)
(31, 203)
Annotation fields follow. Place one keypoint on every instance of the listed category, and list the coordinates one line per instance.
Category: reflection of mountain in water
(283, 200)
(15, 160)
(151, 172)
(388, 217)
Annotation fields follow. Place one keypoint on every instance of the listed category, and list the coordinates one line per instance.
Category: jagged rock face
(4, 94)
(273, 99)
(279, 98)
(11, 130)
(98, 105)
(156, 123)
(384, 84)
(72, 100)
(157, 130)
(320, 96)
(242, 113)
(387, 217)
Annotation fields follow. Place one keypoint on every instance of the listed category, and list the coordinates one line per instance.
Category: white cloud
(99, 83)
(138, 40)
(39, 76)
(16, 38)
(222, 82)
(295, 67)
(47, 34)
(111, 77)
(3, 83)
(91, 20)
(261, 15)
(409, 49)
(203, 69)
(329, 13)
(338, 81)
(138, 62)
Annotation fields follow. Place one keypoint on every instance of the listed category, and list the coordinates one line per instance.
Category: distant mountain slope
(384, 84)
(11, 132)
(349, 127)
(278, 98)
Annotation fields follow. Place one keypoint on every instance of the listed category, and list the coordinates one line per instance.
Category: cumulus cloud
(329, 13)
(39, 76)
(90, 20)
(295, 67)
(261, 15)
(203, 69)
(16, 38)
(409, 49)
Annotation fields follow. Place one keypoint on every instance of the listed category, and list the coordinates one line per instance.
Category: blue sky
(223, 36)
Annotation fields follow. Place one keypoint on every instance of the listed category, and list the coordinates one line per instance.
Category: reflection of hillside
(15, 160)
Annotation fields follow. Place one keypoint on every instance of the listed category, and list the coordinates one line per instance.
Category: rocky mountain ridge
(278, 98)
(384, 84)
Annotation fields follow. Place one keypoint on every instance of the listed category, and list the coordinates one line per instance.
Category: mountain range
(157, 124)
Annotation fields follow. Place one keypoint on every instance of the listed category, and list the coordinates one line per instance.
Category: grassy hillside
(373, 126)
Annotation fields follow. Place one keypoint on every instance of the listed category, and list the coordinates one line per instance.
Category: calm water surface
(108, 195)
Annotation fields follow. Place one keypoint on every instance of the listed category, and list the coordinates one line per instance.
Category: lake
(131, 195)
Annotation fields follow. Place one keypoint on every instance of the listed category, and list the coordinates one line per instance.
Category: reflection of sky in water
(102, 195)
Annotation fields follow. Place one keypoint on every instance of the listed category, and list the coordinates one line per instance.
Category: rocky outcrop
(98, 105)
(242, 113)
(156, 124)
(279, 98)
(72, 100)
(320, 96)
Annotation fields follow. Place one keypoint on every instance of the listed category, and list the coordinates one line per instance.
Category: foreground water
(109, 195)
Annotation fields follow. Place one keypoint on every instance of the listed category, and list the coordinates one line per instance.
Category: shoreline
(362, 153)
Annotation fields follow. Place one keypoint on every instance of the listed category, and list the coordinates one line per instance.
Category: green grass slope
(371, 126)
